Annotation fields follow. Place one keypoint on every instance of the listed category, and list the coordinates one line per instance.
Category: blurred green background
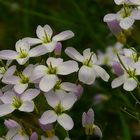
(19, 18)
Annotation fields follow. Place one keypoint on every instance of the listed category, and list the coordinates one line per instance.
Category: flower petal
(52, 99)
(67, 86)
(126, 23)
(86, 75)
(48, 117)
(130, 84)
(74, 54)
(101, 72)
(63, 36)
(68, 100)
(8, 54)
(38, 51)
(28, 70)
(30, 94)
(39, 72)
(20, 88)
(65, 121)
(22, 61)
(68, 67)
(27, 106)
(110, 17)
(118, 81)
(48, 82)
(7, 97)
(32, 41)
(6, 109)
(98, 131)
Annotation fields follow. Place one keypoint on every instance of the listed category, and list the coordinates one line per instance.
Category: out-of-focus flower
(100, 98)
(90, 69)
(79, 91)
(12, 101)
(45, 38)
(34, 136)
(22, 53)
(22, 79)
(59, 105)
(48, 75)
(118, 2)
(117, 68)
(88, 123)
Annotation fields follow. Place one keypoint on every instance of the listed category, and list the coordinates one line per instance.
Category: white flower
(48, 75)
(129, 78)
(88, 123)
(59, 105)
(90, 70)
(12, 101)
(45, 38)
(22, 79)
(126, 17)
(22, 53)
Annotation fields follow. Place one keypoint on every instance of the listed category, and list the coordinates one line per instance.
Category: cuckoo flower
(60, 105)
(22, 79)
(45, 38)
(90, 69)
(119, 2)
(126, 17)
(88, 123)
(48, 74)
(12, 101)
(22, 53)
(129, 78)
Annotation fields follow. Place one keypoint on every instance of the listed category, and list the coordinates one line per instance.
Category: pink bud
(10, 123)
(34, 136)
(117, 68)
(58, 49)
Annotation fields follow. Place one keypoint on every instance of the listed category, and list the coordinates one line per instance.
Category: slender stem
(88, 137)
(125, 111)
(137, 101)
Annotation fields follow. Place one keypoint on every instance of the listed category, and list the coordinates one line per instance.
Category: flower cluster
(35, 78)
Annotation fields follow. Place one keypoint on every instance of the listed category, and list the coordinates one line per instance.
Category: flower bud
(10, 123)
(34, 136)
(58, 49)
(117, 68)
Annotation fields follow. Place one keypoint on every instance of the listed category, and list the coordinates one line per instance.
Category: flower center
(46, 39)
(24, 78)
(16, 102)
(57, 85)
(132, 73)
(23, 53)
(2, 70)
(126, 12)
(88, 62)
(51, 69)
(59, 109)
